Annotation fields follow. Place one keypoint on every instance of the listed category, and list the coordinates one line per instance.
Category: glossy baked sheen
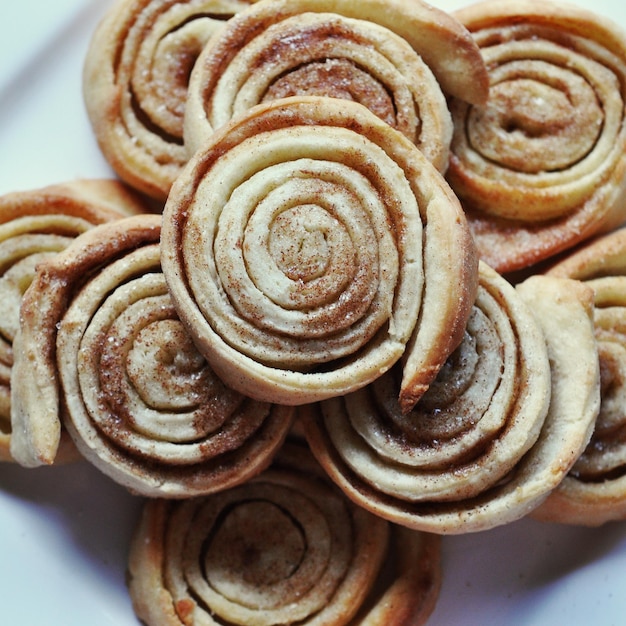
(65, 549)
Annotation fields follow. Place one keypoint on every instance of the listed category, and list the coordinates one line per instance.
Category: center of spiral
(165, 366)
(257, 545)
(336, 78)
(298, 243)
(537, 122)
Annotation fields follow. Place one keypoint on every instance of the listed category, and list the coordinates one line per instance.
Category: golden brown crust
(434, 34)
(104, 194)
(541, 167)
(489, 458)
(34, 225)
(139, 402)
(577, 20)
(594, 491)
(432, 343)
(95, 200)
(311, 557)
(281, 317)
(412, 596)
(135, 83)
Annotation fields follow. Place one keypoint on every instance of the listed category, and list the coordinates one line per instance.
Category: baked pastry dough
(542, 166)
(393, 57)
(369, 52)
(35, 225)
(295, 251)
(286, 547)
(135, 83)
(594, 492)
(135, 395)
(497, 431)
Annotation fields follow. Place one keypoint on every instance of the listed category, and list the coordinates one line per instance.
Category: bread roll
(495, 433)
(370, 52)
(594, 492)
(285, 548)
(35, 225)
(135, 83)
(134, 394)
(542, 166)
(295, 249)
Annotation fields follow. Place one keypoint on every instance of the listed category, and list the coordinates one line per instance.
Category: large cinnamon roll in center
(309, 246)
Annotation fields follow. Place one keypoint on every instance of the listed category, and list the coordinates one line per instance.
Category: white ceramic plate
(64, 531)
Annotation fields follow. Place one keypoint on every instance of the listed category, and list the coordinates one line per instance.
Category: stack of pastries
(327, 313)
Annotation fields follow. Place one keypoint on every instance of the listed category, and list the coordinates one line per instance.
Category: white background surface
(64, 531)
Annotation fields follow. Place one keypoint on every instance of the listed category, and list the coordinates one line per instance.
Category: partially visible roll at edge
(594, 492)
(35, 224)
(393, 575)
(541, 166)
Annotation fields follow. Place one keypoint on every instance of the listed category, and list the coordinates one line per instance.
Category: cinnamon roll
(542, 166)
(296, 251)
(364, 52)
(494, 434)
(135, 395)
(284, 548)
(135, 83)
(594, 491)
(35, 225)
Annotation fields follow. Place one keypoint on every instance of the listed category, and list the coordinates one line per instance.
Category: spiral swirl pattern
(34, 226)
(541, 166)
(293, 249)
(606, 454)
(271, 51)
(283, 548)
(135, 83)
(490, 437)
(594, 492)
(141, 402)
